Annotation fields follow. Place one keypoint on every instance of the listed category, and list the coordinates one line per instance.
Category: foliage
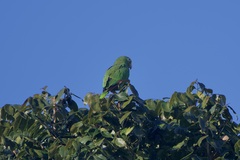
(196, 124)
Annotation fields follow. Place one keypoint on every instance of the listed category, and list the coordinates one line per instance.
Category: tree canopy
(195, 124)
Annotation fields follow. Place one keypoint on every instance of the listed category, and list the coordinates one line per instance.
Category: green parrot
(117, 74)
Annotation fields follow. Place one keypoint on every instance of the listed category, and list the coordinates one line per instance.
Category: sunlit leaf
(18, 140)
(127, 102)
(85, 139)
(205, 101)
(99, 142)
(124, 117)
(119, 142)
(127, 131)
(105, 133)
(201, 95)
(180, 144)
(122, 96)
(199, 142)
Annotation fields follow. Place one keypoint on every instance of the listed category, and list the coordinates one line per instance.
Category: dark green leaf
(133, 89)
(201, 85)
(9, 109)
(237, 148)
(73, 105)
(202, 124)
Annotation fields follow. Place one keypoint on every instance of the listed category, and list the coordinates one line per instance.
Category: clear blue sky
(72, 43)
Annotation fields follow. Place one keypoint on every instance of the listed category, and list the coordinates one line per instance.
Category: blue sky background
(72, 43)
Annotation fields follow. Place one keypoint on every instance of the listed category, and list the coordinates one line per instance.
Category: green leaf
(85, 139)
(222, 100)
(165, 106)
(133, 89)
(202, 86)
(219, 158)
(9, 109)
(105, 133)
(99, 157)
(74, 128)
(200, 95)
(181, 144)
(59, 95)
(210, 91)
(39, 153)
(189, 91)
(123, 118)
(18, 140)
(99, 142)
(120, 142)
(212, 127)
(63, 151)
(213, 109)
(191, 88)
(73, 105)
(188, 156)
(226, 114)
(237, 148)
(122, 96)
(127, 102)
(139, 132)
(202, 124)
(205, 101)
(151, 104)
(199, 142)
(177, 99)
(127, 131)
(20, 123)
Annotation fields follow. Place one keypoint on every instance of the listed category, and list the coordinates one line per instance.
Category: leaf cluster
(196, 124)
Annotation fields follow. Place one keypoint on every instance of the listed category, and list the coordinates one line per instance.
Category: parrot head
(124, 60)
